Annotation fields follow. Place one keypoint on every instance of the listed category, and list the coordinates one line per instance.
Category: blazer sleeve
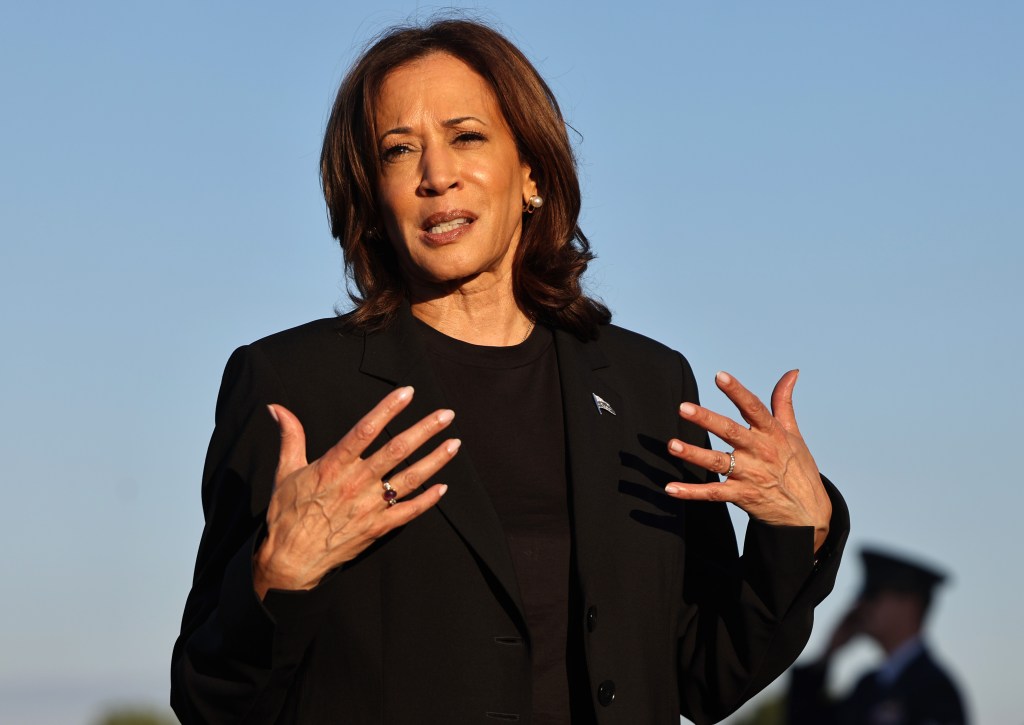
(236, 656)
(746, 617)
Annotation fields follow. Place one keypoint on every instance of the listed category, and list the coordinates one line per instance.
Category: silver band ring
(390, 494)
(732, 465)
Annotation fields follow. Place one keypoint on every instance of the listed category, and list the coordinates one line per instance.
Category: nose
(439, 171)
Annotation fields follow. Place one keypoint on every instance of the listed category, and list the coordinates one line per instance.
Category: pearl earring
(533, 203)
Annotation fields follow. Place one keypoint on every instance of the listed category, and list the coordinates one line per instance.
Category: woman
(559, 558)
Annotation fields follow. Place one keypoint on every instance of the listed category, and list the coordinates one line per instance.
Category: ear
(529, 185)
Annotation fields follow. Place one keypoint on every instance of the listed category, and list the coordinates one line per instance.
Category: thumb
(293, 440)
(782, 401)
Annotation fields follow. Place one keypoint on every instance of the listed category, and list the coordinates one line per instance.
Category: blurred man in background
(910, 688)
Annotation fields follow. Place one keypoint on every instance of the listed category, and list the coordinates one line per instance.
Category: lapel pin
(602, 404)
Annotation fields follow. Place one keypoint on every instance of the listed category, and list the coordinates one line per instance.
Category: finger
(782, 401)
(750, 406)
(402, 513)
(292, 455)
(725, 428)
(363, 433)
(725, 491)
(415, 475)
(717, 461)
(403, 444)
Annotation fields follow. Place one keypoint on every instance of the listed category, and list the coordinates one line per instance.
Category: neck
(493, 320)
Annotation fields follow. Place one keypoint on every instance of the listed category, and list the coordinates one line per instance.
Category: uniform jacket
(426, 626)
(922, 694)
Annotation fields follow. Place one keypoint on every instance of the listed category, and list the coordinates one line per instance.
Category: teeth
(448, 226)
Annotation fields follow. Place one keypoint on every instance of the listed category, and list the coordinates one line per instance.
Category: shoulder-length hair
(553, 252)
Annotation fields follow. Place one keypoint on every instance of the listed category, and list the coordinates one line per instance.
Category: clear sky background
(831, 186)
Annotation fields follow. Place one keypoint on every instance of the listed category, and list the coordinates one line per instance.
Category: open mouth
(448, 226)
(448, 221)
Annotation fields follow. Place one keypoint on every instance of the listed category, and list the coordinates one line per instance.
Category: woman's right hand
(325, 513)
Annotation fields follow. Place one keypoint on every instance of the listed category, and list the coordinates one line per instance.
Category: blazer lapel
(397, 356)
(594, 441)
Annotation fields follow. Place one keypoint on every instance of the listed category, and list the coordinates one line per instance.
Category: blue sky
(836, 187)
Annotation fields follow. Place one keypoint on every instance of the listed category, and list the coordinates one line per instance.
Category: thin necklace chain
(528, 331)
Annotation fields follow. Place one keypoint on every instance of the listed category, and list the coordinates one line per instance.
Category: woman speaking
(472, 499)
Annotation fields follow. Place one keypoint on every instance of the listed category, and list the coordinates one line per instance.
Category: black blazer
(427, 626)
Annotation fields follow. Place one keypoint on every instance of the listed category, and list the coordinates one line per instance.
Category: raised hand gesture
(325, 513)
(770, 474)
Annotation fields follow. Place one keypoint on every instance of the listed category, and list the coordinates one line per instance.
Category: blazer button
(591, 619)
(606, 693)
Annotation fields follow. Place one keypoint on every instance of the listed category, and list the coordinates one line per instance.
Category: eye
(469, 138)
(392, 153)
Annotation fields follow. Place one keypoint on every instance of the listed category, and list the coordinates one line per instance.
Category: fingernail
(405, 393)
(453, 446)
(723, 377)
(671, 489)
(687, 408)
(445, 416)
(675, 446)
(443, 490)
(273, 413)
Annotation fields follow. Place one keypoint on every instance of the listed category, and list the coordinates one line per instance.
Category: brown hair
(553, 252)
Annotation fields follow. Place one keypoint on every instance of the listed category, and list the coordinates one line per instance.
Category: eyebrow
(449, 123)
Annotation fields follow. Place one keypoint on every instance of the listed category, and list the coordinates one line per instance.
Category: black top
(508, 412)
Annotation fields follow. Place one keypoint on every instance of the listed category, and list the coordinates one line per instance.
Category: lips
(446, 226)
(446, 217)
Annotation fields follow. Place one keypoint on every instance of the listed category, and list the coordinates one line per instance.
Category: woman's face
(452, 184)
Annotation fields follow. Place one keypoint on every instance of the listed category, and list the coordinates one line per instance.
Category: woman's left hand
(774, 478)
